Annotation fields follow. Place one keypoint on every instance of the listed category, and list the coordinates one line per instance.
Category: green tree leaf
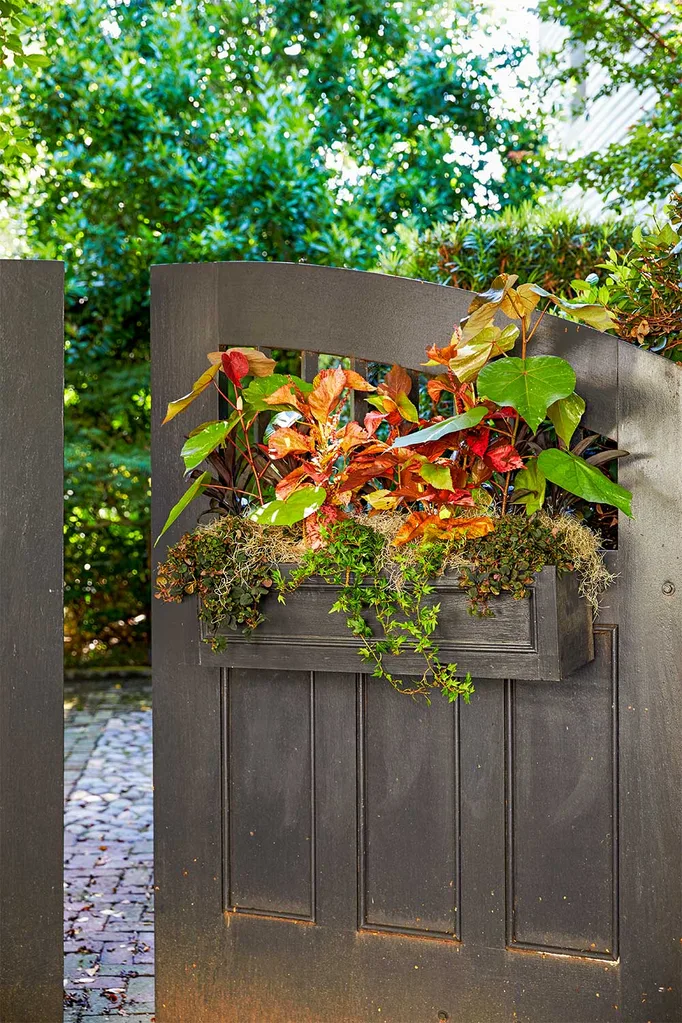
(533, 479)
(297, 506)
(528, 385)
(193, 491)
(577, 477)
(463, 421)
(201, 442)
(566, 414)
(439, 476)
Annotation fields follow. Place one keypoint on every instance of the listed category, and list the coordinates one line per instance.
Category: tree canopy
(639, 45)
(248, 130)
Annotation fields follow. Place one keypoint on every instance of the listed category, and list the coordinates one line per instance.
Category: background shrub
(547, 245)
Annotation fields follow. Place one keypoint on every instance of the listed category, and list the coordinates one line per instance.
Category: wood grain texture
(618, 760)
(31, 644)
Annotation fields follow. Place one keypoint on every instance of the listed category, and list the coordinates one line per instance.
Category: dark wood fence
(31, 648)
(329, 851)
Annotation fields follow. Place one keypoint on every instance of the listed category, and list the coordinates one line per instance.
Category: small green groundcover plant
(491, 483)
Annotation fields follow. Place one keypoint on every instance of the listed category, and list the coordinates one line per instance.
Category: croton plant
(496, 440)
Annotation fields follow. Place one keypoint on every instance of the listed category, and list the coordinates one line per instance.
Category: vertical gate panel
(650, 598)
(562, 807)
(270, 794)
(409, 856)
(188, 817)
(31, 644)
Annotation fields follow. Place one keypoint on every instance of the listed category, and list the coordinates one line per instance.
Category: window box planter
(545, 636)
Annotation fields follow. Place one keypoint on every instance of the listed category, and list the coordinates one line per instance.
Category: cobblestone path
(108, 896)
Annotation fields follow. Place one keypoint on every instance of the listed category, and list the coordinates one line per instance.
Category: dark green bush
(544, 244)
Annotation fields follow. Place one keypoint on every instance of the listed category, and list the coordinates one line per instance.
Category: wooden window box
(545, 636)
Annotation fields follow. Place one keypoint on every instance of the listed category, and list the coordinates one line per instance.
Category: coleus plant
(288, 450)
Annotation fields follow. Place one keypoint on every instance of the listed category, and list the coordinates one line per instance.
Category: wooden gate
(31, 647)
(328, 850)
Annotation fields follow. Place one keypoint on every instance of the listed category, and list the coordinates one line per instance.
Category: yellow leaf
(199, 385)
(383, 500)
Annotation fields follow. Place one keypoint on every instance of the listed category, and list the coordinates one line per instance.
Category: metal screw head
(668, 588)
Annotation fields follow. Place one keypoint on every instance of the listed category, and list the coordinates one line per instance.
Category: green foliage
(352, 559)
(528, 385)
(186, 132)
(642, 284)
(19, 48)
(216, 566)
(506, 559)
(547, 245)
(637, 45)
(105, 547)
(292, 509)
(586, 481)
(229, 566)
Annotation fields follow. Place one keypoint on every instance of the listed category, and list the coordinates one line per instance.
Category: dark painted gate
(31, 647)
(329, 851)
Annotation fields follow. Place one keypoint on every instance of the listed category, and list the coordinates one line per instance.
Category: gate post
(31, 649)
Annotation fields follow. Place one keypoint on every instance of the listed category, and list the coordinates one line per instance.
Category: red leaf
(477, 441)
(372, 421)
(235, 366)
(503, 457)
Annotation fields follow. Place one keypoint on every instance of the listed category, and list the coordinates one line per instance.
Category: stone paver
(108, 879)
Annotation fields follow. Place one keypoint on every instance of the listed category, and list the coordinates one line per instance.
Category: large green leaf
(532, 479)
(193, 491)
(260, 387)
(566, 414)
(297, 506)
(201, 442)
(528, 385)
(583, 480)
(464, 421)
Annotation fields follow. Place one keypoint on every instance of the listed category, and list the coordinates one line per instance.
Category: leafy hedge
(547, 245)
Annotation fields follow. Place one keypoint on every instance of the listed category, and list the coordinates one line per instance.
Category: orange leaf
(442, 356)
(436, 385)
(357, 382)
(288, 441)
(397, 381)
(481, 525)
(293, 481)
(413, 527)
(351, 436)
(328, 386)
(198, 387)
(284, 396)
